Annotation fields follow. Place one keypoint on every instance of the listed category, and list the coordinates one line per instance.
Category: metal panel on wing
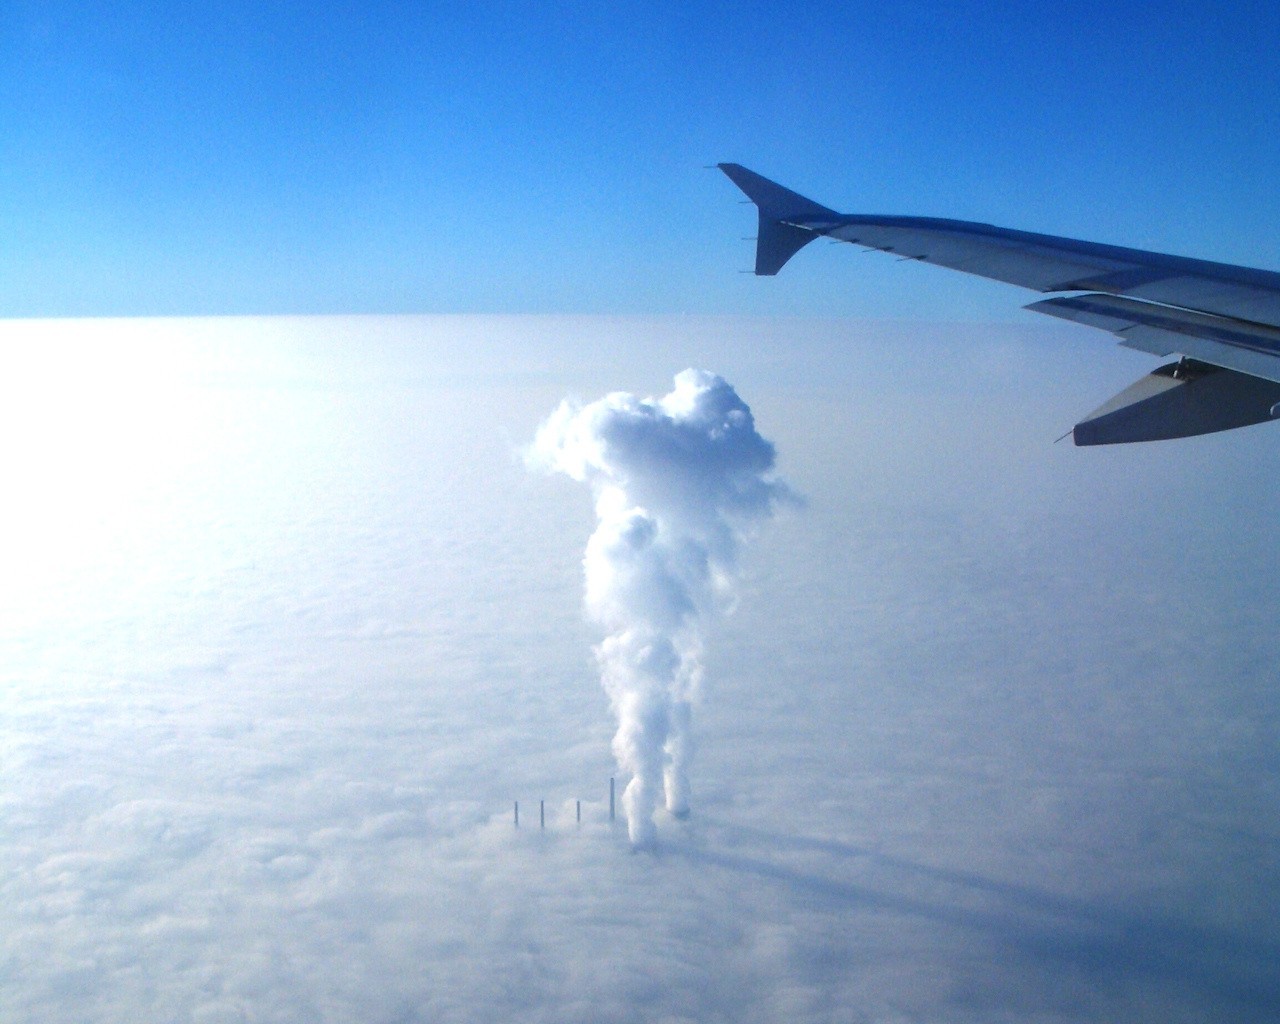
(1225, 318)
(1182, 399)
(1163, 330)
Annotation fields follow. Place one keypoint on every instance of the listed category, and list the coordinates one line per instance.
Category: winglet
(778, 238)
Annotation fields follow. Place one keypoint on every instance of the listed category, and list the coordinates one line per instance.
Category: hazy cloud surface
(286, 627)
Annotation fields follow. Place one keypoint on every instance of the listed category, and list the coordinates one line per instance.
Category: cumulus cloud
(677, 480)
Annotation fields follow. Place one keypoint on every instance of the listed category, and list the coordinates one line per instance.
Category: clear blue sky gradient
(161, 158)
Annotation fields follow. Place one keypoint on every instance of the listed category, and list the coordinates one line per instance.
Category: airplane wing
(1223, 319)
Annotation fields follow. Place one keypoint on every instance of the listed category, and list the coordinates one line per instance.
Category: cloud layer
(989, 737)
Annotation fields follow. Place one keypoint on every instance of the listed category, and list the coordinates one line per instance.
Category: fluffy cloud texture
(676, 481)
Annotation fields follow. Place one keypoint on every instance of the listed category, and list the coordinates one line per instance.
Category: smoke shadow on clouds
(1109, 945)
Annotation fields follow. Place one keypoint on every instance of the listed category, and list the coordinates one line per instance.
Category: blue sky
(270, 158)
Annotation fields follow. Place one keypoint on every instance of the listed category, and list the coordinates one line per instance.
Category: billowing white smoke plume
(676, 481)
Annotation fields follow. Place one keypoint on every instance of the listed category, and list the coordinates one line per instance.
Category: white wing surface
(1225, 319)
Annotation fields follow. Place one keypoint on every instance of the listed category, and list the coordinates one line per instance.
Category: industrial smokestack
(677, 481)
(517, 814)
(542, 814)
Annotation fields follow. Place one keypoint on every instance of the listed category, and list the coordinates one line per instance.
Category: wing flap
(1183, 399)
(1163, 330)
